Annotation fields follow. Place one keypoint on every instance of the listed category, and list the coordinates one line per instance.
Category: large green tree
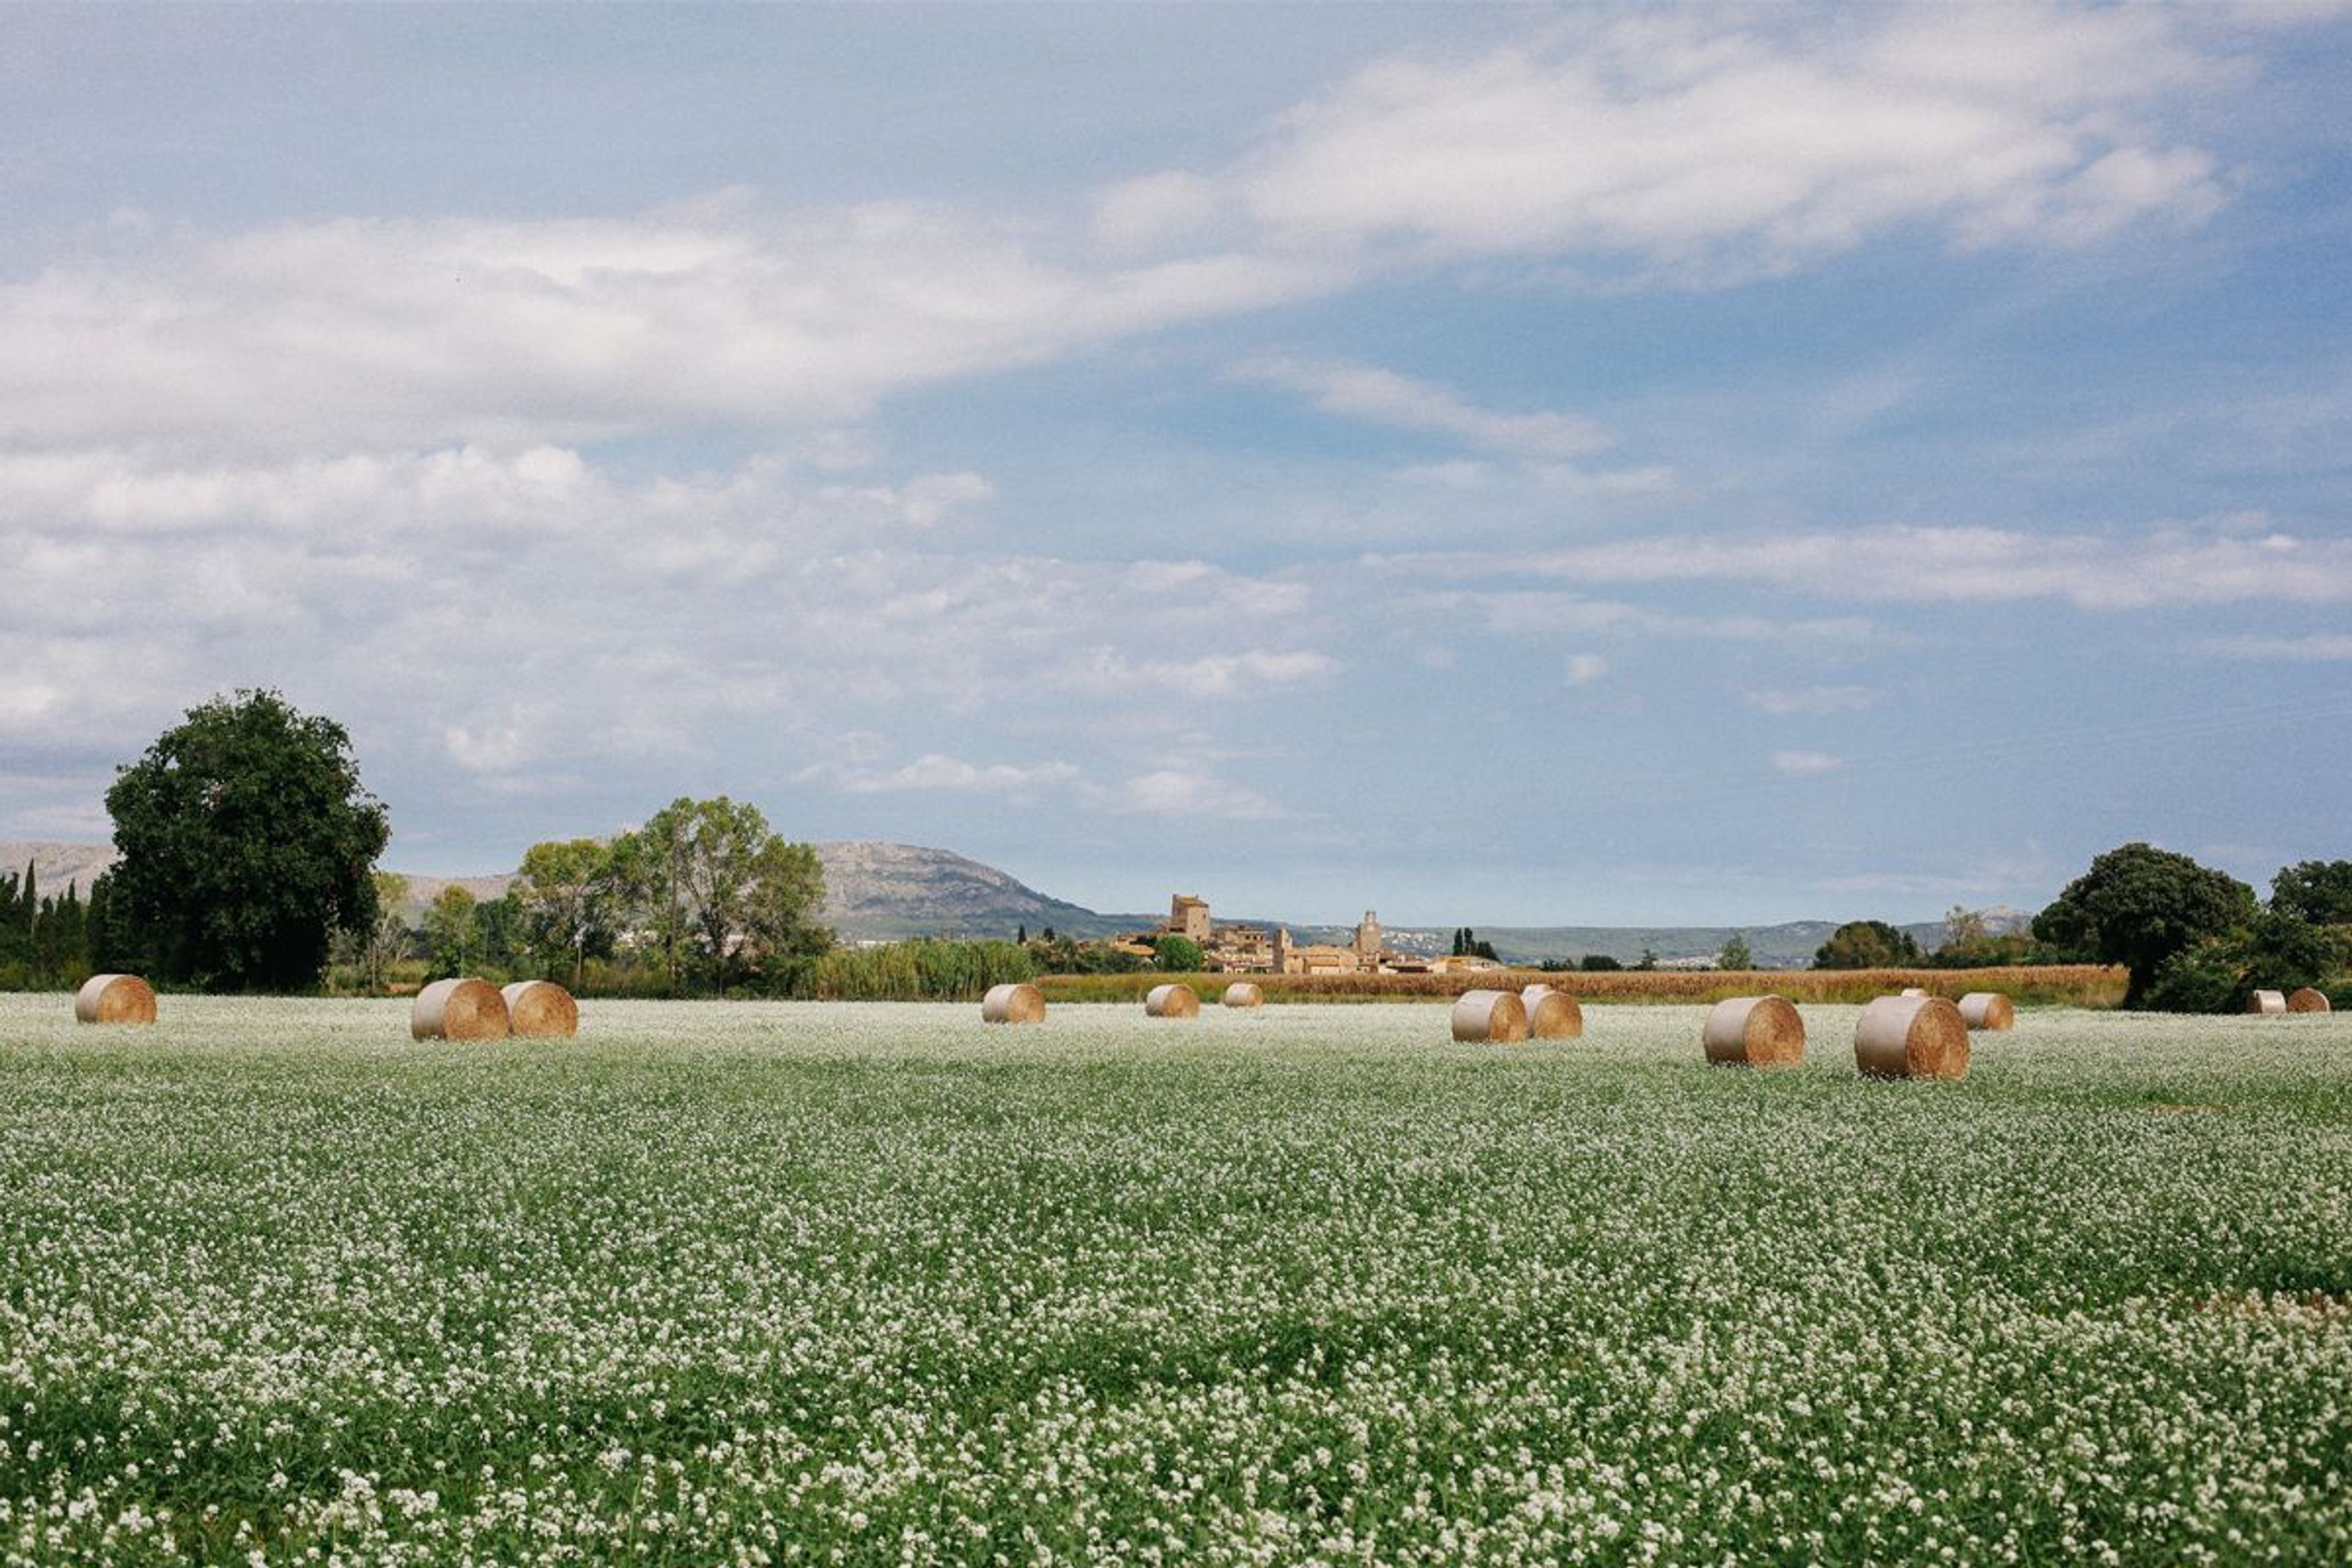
(2318, 892)
(245, 841)
(1867, 944)
(453, 932)
(565, 896)
(719, 892)
(2138, 906)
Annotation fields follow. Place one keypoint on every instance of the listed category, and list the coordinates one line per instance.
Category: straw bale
(115, 999)
(1013, 1004)
(1241, 994)
(1497, 1017)
(1552, 1015)
(1914, 991)
(1754, 1031)
(462, 1009)
(1987, 1010)
(1911, 1036)
(2266, 1002)
(1173, 1000)
(541, 1009)
(2307, 1000)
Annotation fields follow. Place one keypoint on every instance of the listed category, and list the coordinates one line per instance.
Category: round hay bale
(2266, 1002)
(115, 999)
(1013, 1004)
(1911, 1036)
(1552, 1015)
(1914, 991)
(1987, 1010)
(1498, 1017)
(1241, 994)
(2309, 999)
(458, 1010)
(540, 1010)
(1173, 1000)
(1754, 1031)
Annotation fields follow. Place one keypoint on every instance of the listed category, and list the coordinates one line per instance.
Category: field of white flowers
(748, 1283)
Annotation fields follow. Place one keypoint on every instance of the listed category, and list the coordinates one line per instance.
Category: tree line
(46, 938)
(247, 849)
(704, 898)
(2190, 939)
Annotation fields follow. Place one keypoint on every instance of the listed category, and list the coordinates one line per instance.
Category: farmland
(877, 1283)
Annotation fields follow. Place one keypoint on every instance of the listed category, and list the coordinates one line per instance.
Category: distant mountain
(56, 864)
(875, 892)
(878, 893)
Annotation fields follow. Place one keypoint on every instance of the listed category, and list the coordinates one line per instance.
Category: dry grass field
(2073, 985)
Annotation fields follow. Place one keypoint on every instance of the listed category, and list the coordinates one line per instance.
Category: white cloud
(1155, 210)
(1673, 140)
(1384, 397)
(1960, 565)
(372, 334)
(1584, 669)
(1185, 792)
(935, 772)
(2319, 647)
(1803, 763)
(1811, 700)
(1108, 670)
(1691, 144)
(1540, 613)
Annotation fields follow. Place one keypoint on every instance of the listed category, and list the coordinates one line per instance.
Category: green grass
(799, 1282)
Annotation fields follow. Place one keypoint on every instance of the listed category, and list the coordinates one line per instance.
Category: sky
(1492, 465)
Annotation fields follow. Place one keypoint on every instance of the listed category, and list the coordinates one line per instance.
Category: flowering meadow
(785, 1283)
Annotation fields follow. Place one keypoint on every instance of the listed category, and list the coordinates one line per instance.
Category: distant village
(1233, 949)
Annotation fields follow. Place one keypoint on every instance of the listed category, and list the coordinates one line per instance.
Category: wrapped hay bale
(1013, 1004)
(1241, 994)
(1987, 1010)
(1915, 991)
(2309, 999)
(540, 1009)
(1173, 1000)
(458, 1010)
(1552, 1015)
(1911, 1036)
(1497, 1016)
(2266, 1002)
(1754, 1031)
(115, 999)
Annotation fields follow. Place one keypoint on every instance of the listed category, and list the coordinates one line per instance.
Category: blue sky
(1497, 465)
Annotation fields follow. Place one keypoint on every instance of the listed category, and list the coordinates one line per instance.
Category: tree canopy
(720, 894)
(2318, 892)
(245, 841)
(1866, 945)
(2138, 906)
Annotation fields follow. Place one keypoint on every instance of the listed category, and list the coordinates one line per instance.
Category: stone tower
(1368, 939)
(1188, 916)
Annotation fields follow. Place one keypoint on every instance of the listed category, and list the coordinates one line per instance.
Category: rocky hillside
(55, 864)
(877, 890)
